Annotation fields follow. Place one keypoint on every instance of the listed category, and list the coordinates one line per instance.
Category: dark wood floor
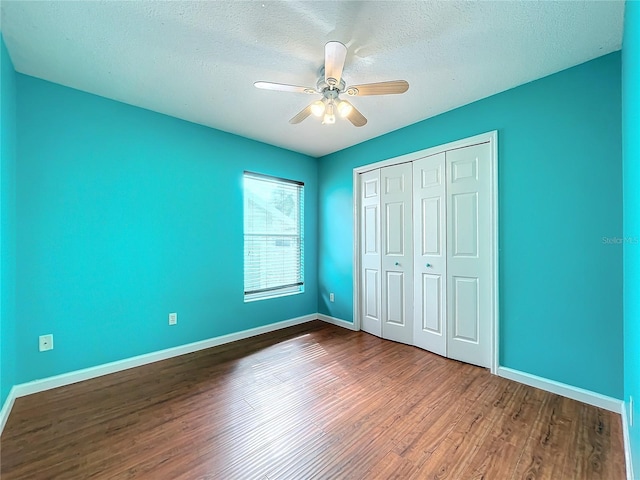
(313, 401)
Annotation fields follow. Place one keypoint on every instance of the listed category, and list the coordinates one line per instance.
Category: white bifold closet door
(426, 253)
(470, 280)
(430, 255)
(386, 253)
(370, 253)
(397, 253)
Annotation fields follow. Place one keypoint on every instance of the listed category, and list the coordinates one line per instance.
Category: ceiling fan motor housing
(322, 86)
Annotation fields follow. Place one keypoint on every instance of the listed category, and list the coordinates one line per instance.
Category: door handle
(429, 265)
(397, 264)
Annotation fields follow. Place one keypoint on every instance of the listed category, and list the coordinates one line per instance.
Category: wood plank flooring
(312, 401)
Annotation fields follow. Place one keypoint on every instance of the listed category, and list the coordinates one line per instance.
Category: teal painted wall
(7, 222)
(560, 184)
(125, 215)
(631, 208)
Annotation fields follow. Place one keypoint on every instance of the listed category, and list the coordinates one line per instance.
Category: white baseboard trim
(6, 408)
(627, 443)
(575, 393)
(112, 367)
(56, 381)
(336, 321)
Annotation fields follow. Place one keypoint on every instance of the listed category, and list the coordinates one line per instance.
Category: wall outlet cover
(173, 318)
(45, 342)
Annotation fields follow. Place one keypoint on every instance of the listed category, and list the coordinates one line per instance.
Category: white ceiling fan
(331, 85)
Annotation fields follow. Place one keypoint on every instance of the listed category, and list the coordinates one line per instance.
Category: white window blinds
(273, 236)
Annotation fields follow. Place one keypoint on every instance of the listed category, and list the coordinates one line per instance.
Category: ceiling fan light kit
(344, 108)
(318, 108)
(329, 115)
(328, 106)
(331, 85)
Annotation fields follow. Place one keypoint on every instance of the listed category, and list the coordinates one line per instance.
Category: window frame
(280, 239)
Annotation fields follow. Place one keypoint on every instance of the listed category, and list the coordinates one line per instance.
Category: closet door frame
(492, 139)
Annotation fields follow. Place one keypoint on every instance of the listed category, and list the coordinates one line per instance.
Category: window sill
(258, 297)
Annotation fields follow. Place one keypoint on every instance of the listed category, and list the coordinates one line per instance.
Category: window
(273, 237)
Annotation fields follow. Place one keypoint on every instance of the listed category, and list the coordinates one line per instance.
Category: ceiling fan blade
(281, 87)
(335, 54)
(355, 116)
(304, 113)
(381, 88)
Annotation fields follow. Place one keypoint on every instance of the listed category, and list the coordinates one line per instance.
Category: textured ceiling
(198, 60)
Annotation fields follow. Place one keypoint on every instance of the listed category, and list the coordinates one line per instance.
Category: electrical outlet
(173, 318)
(45, 342)
(331, 297)
(631, 411)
